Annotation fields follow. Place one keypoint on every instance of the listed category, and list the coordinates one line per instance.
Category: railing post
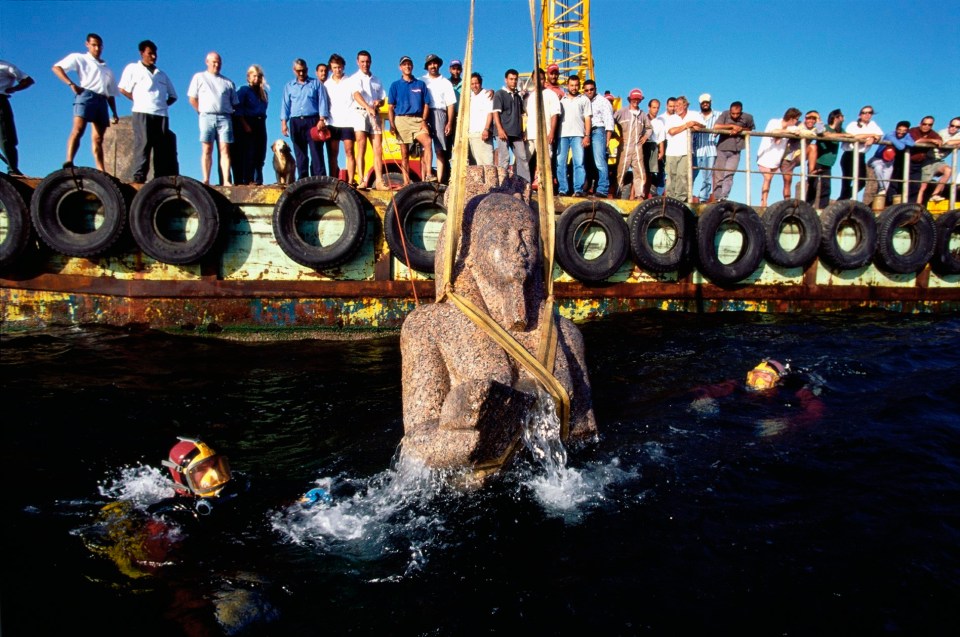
(746, 146)
(690, 166)
(905, 186)
(952, 184)
(856, 170)
(803, 169)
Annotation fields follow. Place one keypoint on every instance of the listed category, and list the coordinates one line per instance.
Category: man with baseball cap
(635, 130)
(408, 106)
(443, 101)
(705, 150)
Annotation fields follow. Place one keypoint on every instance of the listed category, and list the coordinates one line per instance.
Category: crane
(566, 37)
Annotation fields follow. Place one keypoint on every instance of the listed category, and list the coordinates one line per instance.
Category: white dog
(283, 163)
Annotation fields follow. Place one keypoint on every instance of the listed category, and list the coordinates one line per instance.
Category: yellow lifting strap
(540, 367)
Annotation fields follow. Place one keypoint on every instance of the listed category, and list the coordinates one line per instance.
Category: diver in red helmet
(770, 380)
(199, 475)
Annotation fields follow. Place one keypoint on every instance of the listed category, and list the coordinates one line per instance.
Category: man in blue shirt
(305, 105)
(408, 108)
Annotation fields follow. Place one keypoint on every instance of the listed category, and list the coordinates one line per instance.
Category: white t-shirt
(150, 90)
(551, 106)
(854, 128)
(342, 111)
(480, 107)
(369, 86)
(677, 144)
(215, 94)
(659, 125)
(441, 91)
(10, 76)
(93, 75)
(771, 150)
(575, 111)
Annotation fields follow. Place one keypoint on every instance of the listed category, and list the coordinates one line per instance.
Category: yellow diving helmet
(766, 375)
(197, 469)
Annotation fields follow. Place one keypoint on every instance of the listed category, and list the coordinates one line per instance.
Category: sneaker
(68, 164)
(936, 198)
(15, 173)
(578, 194)
(881, 193)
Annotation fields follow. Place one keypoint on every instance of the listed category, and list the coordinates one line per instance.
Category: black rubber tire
(570, 226)
(802, 214)
(147, 205)
(751, 250)
(408, 200)
(944, 261)
(17, 236)
(865, 226)
(47, 211)
(923, 238)
(323, 189)
(667, 211)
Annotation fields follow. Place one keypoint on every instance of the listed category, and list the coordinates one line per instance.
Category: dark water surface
(729, 516)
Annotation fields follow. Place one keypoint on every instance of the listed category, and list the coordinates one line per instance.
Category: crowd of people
(320, 114)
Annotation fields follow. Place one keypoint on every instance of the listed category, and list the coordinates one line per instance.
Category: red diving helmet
(197, 469)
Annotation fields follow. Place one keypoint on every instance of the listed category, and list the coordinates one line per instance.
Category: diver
(769, 382)
(200, 477)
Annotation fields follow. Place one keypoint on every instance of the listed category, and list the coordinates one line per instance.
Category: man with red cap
(635, 131)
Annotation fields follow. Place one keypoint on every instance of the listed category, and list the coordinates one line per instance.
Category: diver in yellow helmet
(766, 375)
(770, 382)
(199, 477)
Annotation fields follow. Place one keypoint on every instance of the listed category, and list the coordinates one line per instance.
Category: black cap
(433, 57)
(406, 58)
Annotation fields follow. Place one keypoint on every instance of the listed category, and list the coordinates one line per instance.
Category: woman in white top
(771, 149)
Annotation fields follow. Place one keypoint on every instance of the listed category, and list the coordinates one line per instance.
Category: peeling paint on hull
(251, 285)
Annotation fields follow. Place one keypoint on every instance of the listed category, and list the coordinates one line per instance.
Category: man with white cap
(635, 130)
(705, 150)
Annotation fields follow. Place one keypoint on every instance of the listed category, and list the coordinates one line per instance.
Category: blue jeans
(598, 142)
(706, 176)
(575, 146)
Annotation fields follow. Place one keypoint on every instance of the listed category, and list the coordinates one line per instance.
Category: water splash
(139, 485)
(562, 490)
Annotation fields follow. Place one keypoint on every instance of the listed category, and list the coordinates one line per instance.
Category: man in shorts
(342, 117)
(214, 97)
(935, 164)
(409, 107)
(443, 100)
(368, 96)
(94, 91)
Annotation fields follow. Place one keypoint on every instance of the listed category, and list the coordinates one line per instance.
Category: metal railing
(858, 149)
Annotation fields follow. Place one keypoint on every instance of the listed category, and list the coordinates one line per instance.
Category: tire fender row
(83, 212)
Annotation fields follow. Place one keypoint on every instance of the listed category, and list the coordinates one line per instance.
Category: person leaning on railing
(867, 132)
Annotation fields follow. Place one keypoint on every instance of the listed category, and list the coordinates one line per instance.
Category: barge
(81, 247)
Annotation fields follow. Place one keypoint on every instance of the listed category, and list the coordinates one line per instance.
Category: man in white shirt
(575, 134)
(369, 95)
(12, 80)
(95, 90)
(678, 127)
(601, 131)
(152, 92)
(443, 100)
(867, 132)
(659, 123)
(214, 96)
(552, 112)
(479, 135)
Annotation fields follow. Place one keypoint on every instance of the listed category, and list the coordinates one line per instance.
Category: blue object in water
(315, 495)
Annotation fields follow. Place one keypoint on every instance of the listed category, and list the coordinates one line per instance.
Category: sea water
(734, 515)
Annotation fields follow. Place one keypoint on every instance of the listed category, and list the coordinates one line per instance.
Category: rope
(403, 242)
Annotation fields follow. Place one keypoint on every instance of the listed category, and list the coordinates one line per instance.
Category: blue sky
(899, 57)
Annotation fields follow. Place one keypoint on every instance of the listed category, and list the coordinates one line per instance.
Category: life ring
(797, 213)
(751, 247)
(945, 260)
(860, 219)
(591, 241)
(653, 219)
(67, 205)
(17, 236)
(161, 212)
(305, 202)
(923, 238)
(414, 198)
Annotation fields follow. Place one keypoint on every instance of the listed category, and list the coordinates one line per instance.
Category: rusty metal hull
(248, 284)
